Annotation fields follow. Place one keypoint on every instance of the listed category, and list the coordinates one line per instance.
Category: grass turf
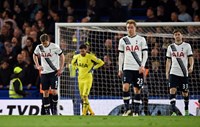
(99, 121)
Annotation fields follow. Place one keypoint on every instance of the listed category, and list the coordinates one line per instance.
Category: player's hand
(141, 69)
(120, 74)
(190, 69)
(40, 68)
(59, 72)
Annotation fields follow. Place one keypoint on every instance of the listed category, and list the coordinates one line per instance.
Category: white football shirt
(184, 50)
(52, 52)
(135, 45)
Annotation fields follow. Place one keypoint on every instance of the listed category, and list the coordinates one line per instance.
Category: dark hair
(177, 30)
(83, 46)
(30, 38)
(44, 37)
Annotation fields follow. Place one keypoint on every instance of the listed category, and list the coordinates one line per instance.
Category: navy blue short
(49, 80)
(133, 78)
(178, 82)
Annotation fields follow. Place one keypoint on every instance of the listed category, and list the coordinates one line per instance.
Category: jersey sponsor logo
(46, 55)
(82, 65)
(132, 48)
(178, 54)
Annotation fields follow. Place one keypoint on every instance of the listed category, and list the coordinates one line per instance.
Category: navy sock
(126, 98)
(137, 103)
(55, 99)
(54, 104)
(46, 102)
(173, 101)
(46, 105)
(186, 101)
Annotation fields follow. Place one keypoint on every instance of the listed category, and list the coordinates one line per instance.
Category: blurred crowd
(23, 21)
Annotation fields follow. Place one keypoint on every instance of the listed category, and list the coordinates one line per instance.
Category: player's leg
(46, 102)
(173, 99)
(54, 85)
(84, 105)
(54, 101)
(45, 88)
(126, 99)
(185, 94)
(138, 83)
(186, 102)
(83, 98)
(88, 83)
(137, 99)
(85, 93)
(172, 90)
(126, 93)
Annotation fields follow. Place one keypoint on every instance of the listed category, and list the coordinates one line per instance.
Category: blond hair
(131, 21)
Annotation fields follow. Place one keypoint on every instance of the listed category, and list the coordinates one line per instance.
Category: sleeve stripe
(190, 55)
(145, 49)
(121, 51)
(168, 57)
(60, 53)
(36, 54)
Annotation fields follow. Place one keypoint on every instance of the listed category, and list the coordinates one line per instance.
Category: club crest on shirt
(132, 48)
(178, 54)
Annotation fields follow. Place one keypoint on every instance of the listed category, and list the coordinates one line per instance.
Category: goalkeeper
(85, 63)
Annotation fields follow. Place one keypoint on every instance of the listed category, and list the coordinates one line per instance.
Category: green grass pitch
(99, 121)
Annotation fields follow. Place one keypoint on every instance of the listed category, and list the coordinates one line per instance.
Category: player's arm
(144, 60)
(120, 57)
(168, 64)
(121, 60)
(62, 61)
(144, 56)
(35, 58)
(98, 62)
(74, 60)
(191, 60)
(191, 64)
(168, 61)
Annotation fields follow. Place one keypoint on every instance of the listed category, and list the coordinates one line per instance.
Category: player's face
(178, 37)
(45, 43)
(83, 52)
(131, 29)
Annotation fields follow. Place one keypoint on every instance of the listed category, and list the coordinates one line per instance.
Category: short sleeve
(121, 45)
(190, 53)
(58, 49)
(168, 54)
(37, 51)
(144, 44)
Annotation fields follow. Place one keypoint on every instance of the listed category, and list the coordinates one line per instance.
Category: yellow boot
(90, 110)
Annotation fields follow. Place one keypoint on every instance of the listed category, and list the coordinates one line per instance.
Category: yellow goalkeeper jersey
(85, 64)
